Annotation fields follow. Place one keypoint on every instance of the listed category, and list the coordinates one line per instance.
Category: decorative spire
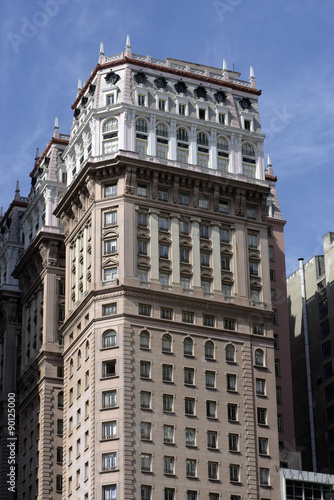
(128, 51)
(225, 71)
(37, 154)
(17, 191)
(101, 49)
(252, 77)
(270, 170)
(56, 123)
(79, 84)
(56, 128)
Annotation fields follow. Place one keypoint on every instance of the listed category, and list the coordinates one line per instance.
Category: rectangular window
(163, 224)
(142, 276)
(166, 313)
(142, 247)
(229, 324)
(184, 227)
(184, 255)
(201, 114)
(109, 399)
(109, 461)
(182, 109)
(142, 190)
(210, 380)
(146, 492)
(167, 403)
(232, 412)
(271, 253)
(224, 236)
(191, 467)
(190, 437)
(258, 329)
(109, 309)
(187, 317)
(204, 231)
(211, 409)
(233, 442)
(145, 369)
(252, 240)
(277, 368)
(146, 462)
(264, 477)
(223, 207)
(206, 286)
(109, 368)
(221, 118)
(324, 329)
(262, 416)
(183, 198)
(208, 320)
(168, 465)
(326, 350)
(59, 455)
(225, 263)
(145, 400)
(213, 470)
(168, 433)
(189, 376)
(59, 427)
(108, 430)
(272, 275)
(110, 218)
(227, 290)
(253, 269)
(141, 100)
(260, 387)
(110, 190)
(59, 484)
(231, 382)
(185, 283)
(142, 219)
(263, 446)
(110, 274)
(191, 495)
(205, 259)
(328, 370)
(167, 373)
(189, 406)
(163, 195)
(144, 310)
(163, 251)
(203, 203)
(280, 422)
(234, 473)
(110, 99)
(110, 246)
(251, 213)
(212, 439)
(164, 279)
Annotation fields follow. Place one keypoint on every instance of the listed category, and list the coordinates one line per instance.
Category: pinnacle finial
(37, 154)
(128, 43)
(56, 123)
(101, 49)
(79, 84)
(251, 73)
(224, 65)
(17, 190)
(269, 164)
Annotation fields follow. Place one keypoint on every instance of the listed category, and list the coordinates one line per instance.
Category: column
(216, 258)
(154, 245)
(196, 253)
(175, 234)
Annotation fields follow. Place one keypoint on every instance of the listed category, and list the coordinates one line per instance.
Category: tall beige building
(169, 378)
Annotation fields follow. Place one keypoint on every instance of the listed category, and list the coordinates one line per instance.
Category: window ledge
(109, 408)
(109, 347)
(146, 409)
(214, 480)
(168, 444)
(109, 470)
(109, 439)
(109, 377)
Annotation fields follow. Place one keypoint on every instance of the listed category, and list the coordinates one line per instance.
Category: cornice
(162, 69)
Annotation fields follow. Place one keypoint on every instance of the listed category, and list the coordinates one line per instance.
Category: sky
(46, 45)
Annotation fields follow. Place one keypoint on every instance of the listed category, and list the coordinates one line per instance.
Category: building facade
(169, 362)
(312, 367)
(150, 362)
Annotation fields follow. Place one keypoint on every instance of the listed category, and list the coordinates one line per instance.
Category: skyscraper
(148, 361)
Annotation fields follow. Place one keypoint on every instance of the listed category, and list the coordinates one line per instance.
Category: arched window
(109, 338)
(223, 153)
(248, 160)
(188, 346)
(87, 349)
(230, 353)
(202, 150)
(144, 339)
(209, 349)
(259, 357)
(71, 367)
(110, 136)
(79, 359)
(141, 136)
(162, 141)
(166, 343)
(182, 138)
(60, 399)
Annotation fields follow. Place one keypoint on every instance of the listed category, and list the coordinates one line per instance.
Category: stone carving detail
(176, 189)
(155, 185)
(196, 193)
(240, 203)
(90, 184)
(49, 253)
(216, 198)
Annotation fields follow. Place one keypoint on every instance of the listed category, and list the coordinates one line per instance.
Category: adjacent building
(310, 298)
(153, 259)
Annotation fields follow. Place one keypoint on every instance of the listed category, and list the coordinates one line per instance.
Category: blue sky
(46, 45)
